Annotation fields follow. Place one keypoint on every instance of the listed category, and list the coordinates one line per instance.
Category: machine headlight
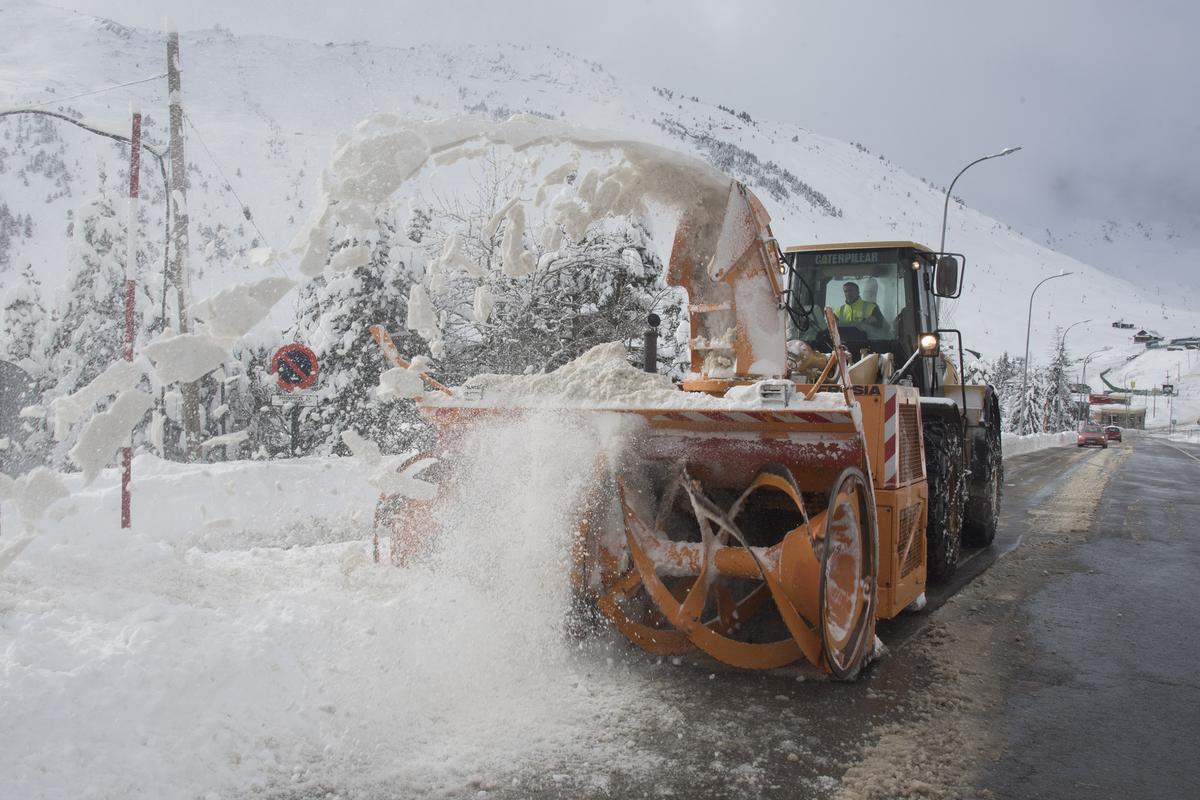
(928, 344)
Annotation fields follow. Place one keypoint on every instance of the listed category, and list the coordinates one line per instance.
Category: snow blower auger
(749, 534)
(771, 506)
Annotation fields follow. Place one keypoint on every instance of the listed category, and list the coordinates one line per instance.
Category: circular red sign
(295, 367)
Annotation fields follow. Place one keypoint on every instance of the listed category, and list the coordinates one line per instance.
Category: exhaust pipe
(650, 344)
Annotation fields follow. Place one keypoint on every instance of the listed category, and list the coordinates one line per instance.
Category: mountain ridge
(265, 113)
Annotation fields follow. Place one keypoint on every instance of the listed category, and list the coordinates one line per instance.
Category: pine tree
(1023, 412)
(573, 296)
(1056, 390)
(24, 323)
(337, 310)
(86, 334)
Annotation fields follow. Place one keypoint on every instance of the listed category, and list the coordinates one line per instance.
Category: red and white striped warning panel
(891, 428)
(774, 417)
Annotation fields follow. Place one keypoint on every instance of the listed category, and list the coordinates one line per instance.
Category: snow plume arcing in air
(386, 151)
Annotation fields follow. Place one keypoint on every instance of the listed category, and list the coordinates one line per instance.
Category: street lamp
(1086, 359)
(1063, 340)
(1028, 326)
(946, 206)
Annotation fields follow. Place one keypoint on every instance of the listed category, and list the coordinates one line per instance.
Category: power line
(96, 91)
(162, 168)
(228, 183)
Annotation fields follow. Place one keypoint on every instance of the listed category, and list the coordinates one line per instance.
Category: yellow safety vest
(858, 311)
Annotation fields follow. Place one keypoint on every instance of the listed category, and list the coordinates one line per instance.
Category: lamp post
(1063, 340)
(1086, 359)
(1028, 326)
(946, 205)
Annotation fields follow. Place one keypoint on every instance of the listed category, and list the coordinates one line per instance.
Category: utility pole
(190, 391)
(135, 164)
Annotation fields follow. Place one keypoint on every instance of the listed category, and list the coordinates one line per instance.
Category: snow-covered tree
(512, 294)
(24, 322)
(1059, 409)
(87, 332)
(1024, 413)
(368, 283)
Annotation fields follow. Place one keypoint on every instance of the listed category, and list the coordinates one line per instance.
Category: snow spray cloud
(517, 487)
(483, 666)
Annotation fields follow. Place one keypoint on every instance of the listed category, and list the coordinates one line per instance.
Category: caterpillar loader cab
(886, 298)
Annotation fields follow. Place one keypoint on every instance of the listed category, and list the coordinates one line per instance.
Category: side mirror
(947, 276)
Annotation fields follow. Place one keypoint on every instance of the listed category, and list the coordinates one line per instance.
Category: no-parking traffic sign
(295, 367)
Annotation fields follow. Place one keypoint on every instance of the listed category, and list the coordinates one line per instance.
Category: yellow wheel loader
(807, 476)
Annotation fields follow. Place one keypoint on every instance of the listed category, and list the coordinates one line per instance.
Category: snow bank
(1014, 445)
(241, 623)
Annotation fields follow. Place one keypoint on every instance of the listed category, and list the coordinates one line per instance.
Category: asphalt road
(1059, 663)
(1107, 705)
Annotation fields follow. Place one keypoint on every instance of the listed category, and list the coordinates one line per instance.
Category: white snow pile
(603, 378)
(242, 624)
(403, 382)
(1014, 445)
(231, 313)
(119, 376)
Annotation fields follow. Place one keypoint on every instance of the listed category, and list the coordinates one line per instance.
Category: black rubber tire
(947, 494)
(986, 482)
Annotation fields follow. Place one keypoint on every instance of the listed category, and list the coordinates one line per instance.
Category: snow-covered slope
(1149, 250)
(1150, 369)
(265, 113)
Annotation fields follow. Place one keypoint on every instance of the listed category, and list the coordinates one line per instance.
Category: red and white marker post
(135, 162)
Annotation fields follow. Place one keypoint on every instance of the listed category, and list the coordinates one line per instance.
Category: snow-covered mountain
(265, 113)
(1149, 250)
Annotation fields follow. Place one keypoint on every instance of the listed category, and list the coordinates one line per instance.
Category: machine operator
(859, 312)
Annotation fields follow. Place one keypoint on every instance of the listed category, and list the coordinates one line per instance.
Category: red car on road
(1091, 436)
(1113, 433)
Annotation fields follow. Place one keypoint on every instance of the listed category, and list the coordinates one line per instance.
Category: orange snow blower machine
(778, 521)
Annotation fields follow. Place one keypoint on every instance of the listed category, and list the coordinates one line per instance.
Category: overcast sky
(1101, 95)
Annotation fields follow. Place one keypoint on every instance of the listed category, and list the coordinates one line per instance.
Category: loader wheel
(947, 488)
(848, 577)
(987, 482)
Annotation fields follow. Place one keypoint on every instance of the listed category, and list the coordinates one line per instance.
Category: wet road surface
(792, 733)
(1108, 705)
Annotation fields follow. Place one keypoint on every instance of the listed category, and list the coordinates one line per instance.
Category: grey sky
(1102, 95)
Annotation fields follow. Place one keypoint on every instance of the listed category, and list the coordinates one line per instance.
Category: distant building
(1145, 337)
(1121, 416)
